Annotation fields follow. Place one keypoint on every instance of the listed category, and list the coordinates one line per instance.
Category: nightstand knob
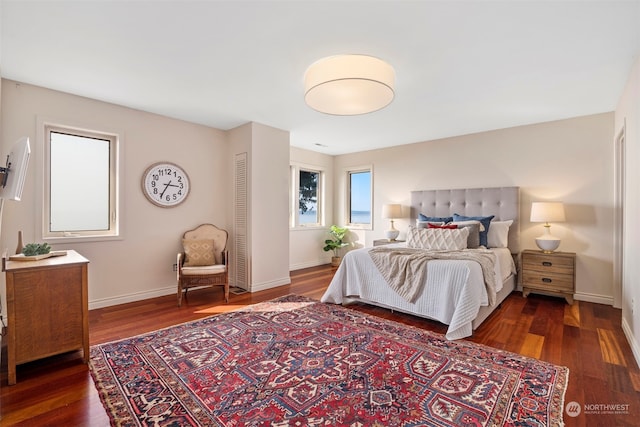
(547, 263)
(546, 280)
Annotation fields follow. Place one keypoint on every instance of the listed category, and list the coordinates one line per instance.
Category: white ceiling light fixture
(348, 85)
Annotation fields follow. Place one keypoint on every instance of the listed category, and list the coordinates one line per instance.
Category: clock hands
(167, 185)
(165, 189)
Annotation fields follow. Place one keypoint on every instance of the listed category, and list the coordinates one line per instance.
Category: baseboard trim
(160, 292)
(308, 264)
(255, 287)
(635, 347)
(598, 299)
(171, 290)
(137, 296)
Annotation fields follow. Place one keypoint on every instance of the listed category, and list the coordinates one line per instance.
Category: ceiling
(461, 66)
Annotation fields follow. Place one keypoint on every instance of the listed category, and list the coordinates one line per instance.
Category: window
(306, 197)
(81, 183)
(359, 198)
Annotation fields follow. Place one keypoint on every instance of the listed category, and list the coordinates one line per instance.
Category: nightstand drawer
(543, 262)
(551, 281)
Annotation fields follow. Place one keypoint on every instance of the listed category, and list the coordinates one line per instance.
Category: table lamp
(390, 212)
(547, 212)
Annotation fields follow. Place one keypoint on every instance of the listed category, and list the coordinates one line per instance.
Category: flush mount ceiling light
(347, 85)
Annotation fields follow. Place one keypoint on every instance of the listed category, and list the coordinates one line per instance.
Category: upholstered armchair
(205, 260)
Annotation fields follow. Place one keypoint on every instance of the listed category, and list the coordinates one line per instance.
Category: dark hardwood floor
(585, 337)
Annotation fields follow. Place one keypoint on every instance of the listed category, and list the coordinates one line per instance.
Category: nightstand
(381, 242)
(549, 273)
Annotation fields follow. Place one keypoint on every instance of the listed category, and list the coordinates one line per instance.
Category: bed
(454, 292)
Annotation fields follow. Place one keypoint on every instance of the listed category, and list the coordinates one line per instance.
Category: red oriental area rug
(298, 362)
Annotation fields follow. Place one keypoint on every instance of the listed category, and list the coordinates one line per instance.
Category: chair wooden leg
(226, 292)
(182, 293)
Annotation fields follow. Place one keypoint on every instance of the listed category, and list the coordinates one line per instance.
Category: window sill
(80, 239)
(359, 227)
(308, 228)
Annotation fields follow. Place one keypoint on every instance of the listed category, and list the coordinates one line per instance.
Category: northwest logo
(573, 409)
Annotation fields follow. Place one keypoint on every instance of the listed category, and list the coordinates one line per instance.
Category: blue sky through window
(360, 197)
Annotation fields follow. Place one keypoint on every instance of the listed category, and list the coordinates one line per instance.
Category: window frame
(114, 232)
(348, 201)
(294, 220)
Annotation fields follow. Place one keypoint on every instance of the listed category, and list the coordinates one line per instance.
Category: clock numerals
(165, 184)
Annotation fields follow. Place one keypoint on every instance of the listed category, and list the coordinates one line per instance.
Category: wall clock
(165, 184)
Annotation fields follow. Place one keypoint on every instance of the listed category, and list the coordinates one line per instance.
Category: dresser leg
(11, 374)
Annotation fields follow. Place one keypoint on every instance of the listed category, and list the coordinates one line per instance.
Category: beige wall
(269, 211)
(140, 264)
(628, 117)
(569, 160)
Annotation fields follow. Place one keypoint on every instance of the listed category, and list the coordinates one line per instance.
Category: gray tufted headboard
(503, 202)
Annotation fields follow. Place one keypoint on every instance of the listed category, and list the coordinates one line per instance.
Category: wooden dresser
(47, 308)
(549, 273)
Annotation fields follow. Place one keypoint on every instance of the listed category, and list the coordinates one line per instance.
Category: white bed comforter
(453, 292)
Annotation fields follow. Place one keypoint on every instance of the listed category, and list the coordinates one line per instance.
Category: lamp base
(392, 234)
(547, 244)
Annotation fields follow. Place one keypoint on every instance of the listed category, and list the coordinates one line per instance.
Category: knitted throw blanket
(405, 269)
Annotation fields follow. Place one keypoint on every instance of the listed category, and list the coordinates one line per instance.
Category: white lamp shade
(391, 211)
(547, 212)
(348, 85)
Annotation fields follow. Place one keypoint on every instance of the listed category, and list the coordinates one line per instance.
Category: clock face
(165, 184)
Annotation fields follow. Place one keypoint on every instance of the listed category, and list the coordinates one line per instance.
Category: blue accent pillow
(484, 220)
(445, 219)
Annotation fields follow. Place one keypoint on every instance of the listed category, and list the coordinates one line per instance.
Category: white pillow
(468, 222)
(498, 235)
(437, 239)
(425, 224)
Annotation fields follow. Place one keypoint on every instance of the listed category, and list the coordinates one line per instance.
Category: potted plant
(335, 243)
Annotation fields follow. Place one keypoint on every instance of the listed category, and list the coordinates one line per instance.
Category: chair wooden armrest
(179, 263)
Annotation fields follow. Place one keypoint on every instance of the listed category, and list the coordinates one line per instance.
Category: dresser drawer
(551, 264)
(548, 281)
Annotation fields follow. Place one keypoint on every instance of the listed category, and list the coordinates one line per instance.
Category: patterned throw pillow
(437, 239)
(198, 253)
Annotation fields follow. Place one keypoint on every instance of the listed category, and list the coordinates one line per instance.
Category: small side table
(47, 307)
(549, 273)
(381, 242)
